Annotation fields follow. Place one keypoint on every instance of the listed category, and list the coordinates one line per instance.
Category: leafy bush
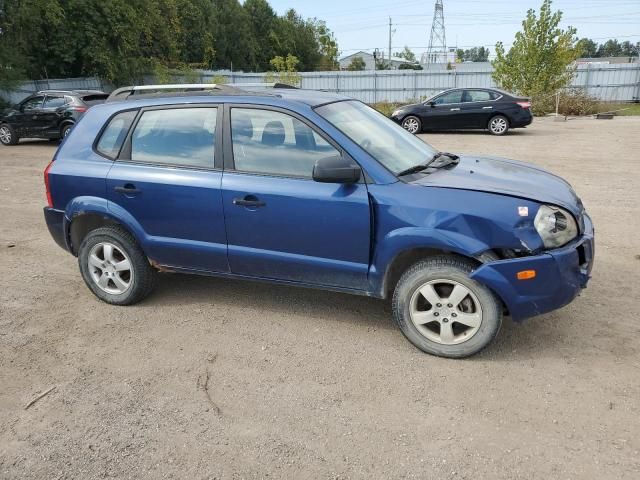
(386, 108)
(573, 102)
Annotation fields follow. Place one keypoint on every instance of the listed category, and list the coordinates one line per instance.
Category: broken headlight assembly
(555, 226)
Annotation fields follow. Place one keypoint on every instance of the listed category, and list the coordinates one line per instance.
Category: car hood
(507, 177)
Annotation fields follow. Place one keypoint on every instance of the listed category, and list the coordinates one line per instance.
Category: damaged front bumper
(560, 276)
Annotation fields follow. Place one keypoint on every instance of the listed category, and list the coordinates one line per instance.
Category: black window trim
(94, 146)
(124, 155)
(31, 97)
(229, 163)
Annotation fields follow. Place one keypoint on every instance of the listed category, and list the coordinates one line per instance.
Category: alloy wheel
(498, 125)
(445, 312)
(5, 135)
(110, 268)
(411, 125)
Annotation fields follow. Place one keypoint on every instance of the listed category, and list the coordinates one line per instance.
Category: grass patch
(626, 109)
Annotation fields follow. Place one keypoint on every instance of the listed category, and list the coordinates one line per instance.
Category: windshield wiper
(450, 159)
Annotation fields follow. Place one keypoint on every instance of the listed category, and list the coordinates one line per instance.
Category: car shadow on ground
(519, 131)
(542, 335)
(178, 289)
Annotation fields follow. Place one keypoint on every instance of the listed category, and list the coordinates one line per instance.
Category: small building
(369, 61)
(606, 60)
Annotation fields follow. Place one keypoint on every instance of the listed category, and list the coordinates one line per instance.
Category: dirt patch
(212, 378)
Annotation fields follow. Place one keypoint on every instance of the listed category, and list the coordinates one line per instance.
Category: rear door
(477, 108)
(167, 180)
(280, 223)
(444, 111)
(50, 116)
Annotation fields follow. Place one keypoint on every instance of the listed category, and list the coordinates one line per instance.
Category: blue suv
(318, 190)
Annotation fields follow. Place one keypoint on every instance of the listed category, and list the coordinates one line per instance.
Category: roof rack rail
(232, 88)
(126, 92)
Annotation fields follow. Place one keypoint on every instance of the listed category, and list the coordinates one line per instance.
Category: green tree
(328, 47)
(538, 63)
(357, 64)
(407, 54)
(263, 21)
(587, 47)
(285, 71)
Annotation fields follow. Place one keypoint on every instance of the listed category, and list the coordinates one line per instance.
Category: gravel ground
(212, 378)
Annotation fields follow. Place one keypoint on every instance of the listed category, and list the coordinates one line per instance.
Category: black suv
(46, 114)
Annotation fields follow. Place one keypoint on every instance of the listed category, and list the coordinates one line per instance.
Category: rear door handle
(487, 108)
(127, 189)
(455, 109)
(249, 201)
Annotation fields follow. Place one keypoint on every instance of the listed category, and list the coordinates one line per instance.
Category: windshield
(384, 140)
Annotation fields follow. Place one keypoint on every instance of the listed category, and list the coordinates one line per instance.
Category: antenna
(437, 51)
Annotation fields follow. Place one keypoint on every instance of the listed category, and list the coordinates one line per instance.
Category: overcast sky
(361, 25)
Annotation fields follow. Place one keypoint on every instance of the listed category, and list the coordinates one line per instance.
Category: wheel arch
(404, 259)
(85, 214)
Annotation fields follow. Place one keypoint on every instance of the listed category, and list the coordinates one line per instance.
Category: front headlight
(555, 226)
(396, 113)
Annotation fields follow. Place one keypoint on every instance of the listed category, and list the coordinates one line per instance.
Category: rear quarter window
(114, 135)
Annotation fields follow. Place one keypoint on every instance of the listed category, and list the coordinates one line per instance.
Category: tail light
(47, 185)
(524, 104)
(79, 109)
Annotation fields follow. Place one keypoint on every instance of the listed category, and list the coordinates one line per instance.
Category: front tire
(8, 135)
(444, 312)
(498, 125)
(412, 124)
(114, 267)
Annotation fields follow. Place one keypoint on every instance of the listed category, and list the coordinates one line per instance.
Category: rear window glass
(114, 135)
(95, 99)
(179, 136)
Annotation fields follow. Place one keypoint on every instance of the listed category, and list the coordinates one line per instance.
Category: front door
(166, 181)
(280, 223)
(26, 119)
(443, 112)
(50, 117)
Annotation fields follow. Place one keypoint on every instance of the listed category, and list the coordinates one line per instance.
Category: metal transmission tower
(437, 52)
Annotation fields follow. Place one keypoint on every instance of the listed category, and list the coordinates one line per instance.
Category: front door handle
(487, 108)
(455, 109)
(127, 189)
(249, 201)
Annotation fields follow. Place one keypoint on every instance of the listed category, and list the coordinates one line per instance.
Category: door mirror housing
(336, 169)
(432, 104)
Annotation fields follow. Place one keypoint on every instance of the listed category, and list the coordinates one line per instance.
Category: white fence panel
(615, 82)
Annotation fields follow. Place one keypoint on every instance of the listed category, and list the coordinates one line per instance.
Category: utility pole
(389, 43)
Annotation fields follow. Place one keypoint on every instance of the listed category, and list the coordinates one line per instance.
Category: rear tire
(64, 131)
(8, 135)
(444, 312)
(498, 125)
(114, 267)
(412, 124)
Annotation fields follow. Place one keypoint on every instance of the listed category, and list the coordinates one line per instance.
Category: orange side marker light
(526, 274)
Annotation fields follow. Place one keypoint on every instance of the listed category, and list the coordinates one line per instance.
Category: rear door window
(478, 96)
(115, 134)
(177, 136)
(54, 101)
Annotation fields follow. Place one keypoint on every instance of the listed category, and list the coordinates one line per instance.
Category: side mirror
(432, 104)
(336, 169)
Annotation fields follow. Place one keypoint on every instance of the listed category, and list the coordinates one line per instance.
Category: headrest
(273, 134)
